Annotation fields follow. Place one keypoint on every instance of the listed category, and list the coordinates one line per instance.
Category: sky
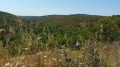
(60, 7)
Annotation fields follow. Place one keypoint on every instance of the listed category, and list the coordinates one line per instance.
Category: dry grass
(110, 54)
(42, 59)
(109, 57)
(46, 59)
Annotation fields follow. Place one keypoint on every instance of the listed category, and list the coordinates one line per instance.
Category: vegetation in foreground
(51, 41)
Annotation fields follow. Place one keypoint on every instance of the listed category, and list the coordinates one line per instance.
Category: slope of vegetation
(62, 19)
(59, 34)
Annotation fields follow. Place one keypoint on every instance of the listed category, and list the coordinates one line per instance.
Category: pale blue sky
(48, 7)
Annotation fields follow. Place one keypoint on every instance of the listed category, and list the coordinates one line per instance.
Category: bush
(106, 29)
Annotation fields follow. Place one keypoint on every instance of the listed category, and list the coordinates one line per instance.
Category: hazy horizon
(60, 7)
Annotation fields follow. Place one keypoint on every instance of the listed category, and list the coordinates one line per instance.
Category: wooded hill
(62, 19)
(36, 32)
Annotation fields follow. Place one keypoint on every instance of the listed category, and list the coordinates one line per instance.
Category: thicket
(27, 37)
(33, 37)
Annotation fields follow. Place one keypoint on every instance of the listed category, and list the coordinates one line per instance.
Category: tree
(107, 29)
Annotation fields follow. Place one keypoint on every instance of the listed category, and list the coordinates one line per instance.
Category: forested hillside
(28, 35)
(9, 18)
(63, 19)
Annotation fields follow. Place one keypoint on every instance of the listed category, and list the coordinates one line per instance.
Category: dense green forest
(57, 30)
(31, 34)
